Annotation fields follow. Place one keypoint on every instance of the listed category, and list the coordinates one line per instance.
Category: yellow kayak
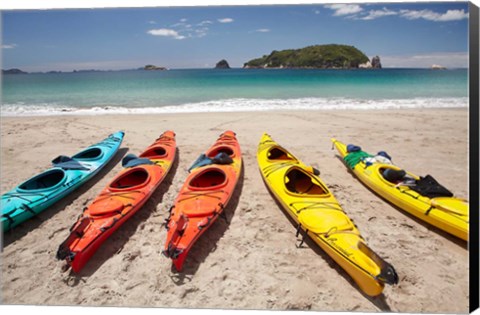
(447, 213)
(316, 211)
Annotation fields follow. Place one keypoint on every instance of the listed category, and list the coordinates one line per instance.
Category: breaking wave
(237, 105)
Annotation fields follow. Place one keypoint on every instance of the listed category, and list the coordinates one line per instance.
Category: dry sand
(251, 262)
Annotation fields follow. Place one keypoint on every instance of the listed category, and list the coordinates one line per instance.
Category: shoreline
(251, 262)
(241, 105)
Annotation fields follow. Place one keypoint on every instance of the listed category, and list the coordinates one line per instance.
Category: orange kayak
(117, 202)
(203, 197)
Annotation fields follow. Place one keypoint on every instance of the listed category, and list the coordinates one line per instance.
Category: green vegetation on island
(153, 67)
(330, 56)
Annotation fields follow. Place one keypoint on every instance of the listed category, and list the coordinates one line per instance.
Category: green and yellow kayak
(449, 214)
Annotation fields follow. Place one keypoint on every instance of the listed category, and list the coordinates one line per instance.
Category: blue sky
(402, 34)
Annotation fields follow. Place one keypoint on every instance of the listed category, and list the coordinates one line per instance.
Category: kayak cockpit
(209, 179)
(89, 154)
(298, 181)
(277, 153)
(131, 180)
(221, 149)
(47, 180)
(154, 153)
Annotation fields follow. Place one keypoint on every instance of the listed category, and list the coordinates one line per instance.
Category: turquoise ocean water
(203, 90)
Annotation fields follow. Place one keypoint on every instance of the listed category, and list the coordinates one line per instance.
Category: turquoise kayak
(67, 174)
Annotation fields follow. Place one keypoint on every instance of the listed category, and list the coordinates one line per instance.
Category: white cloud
(206, 22)
(262, 30)
(183, 20)
(375, 14)
(354, 11)
(152, 22)
(166, 33)
(450, 15)
(177, 24)
(9, 46)
(225, 20)
(344, 9)
(201, 32)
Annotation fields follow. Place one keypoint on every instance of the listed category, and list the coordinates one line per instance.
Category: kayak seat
(393, 175)
(297, 181)
(324, 221)
(106, 206)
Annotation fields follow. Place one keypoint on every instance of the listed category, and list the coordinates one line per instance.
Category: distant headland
(331, 56)
(13, 71)
(152, 67)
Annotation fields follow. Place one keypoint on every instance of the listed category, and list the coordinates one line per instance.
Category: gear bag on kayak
(429, 187)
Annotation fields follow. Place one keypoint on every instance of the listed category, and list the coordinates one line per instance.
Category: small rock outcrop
(376, 64)
(438, 67)
(152, 67)
(222, 64)
(366, 65)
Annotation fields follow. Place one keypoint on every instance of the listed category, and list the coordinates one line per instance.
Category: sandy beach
(251, 261)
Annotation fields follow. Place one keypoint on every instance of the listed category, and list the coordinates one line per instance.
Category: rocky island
(332, 56)
(222, 64)
(152, 67)
(13, 71)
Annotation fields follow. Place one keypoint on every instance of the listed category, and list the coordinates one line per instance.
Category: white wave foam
(238, 105)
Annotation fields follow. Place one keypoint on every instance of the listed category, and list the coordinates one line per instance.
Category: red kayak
(203, 197)
(117, 202)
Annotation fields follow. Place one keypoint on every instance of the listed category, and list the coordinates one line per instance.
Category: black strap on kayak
(269, 170)
(266, 141)
(114, 221)
(116, 194)
(75, 179)
(172, 251)
(210, 193)
(24, 195)
(107, 142)
(167, 220)
(118, 212)
(404, 191)
(429, 209)
(27, 208)
(316, 205)
(299, 229)
(164, 138)
(9, 218)
(222, 213)
(200, 227)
